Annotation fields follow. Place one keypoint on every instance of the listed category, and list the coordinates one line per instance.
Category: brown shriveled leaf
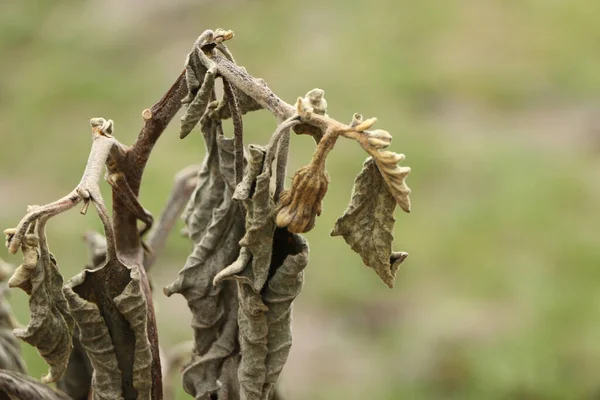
(110, 309)
(96, 341)
(200, 83)
(278, 295)
(17, 386)
(51, 325)
(215, 174)
(216, 225)
(269, 278)
(368, 222)
(77, 379)
(132, 304)
(254, 192)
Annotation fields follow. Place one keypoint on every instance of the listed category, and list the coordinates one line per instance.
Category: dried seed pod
(368, 223)
(302, 203)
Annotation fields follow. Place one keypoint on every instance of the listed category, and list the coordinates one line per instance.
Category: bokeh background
(496, 105)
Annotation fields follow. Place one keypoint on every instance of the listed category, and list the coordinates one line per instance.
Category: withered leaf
(77, 379)
(205, 373)
(368, 223)
(278, 295)
(109, 305)
(208, 193)
(254, 192)
(17, 386)
(51, 325)
(198, 95)
(269, 278)
(216, 225)
(95, 339)
(132, 304)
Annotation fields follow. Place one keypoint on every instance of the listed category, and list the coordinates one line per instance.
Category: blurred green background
(495, 104)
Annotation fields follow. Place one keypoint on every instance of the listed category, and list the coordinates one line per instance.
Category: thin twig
(185, 182)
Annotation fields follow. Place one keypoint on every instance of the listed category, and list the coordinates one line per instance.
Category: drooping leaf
(109, 305)
(132, 304)
(95, 339)
(51, 325)
(216, 225)
(278, 295)
(200, 83)
(269, 278)
(17, 386)
(208, 193)
(368, 222)
(77, 379)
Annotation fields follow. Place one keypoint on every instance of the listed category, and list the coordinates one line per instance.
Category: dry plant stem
(253, 88)
(283, 150)
(87, 190)
(128, 243)
(185, 182)
(133, 164)
(238, 130)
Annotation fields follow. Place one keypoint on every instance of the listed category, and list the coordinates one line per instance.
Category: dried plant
(97, 331)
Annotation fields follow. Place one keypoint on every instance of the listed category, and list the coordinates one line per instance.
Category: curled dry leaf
(268, 273)
(387, 161)
(368, 223)
(77, 379)
(113, 331)
(95, 339)
(17, 386)
(278, 295)
(10, 348)
(51, 324)
(131, 303)
(216, 225)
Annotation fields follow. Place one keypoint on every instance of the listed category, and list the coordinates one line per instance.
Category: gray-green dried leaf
(132, 304)
(51, 325)
(205, 373)
(216, 225)
(17, 386)
(278, 295)
(368, 223)
(260, 225)
(216, 173)
(110, 331)
(96, 340)
(264, 303)
(199, 95)
(77, 379)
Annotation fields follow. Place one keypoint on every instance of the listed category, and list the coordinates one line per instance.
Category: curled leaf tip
(364, 125)
(221, 35)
